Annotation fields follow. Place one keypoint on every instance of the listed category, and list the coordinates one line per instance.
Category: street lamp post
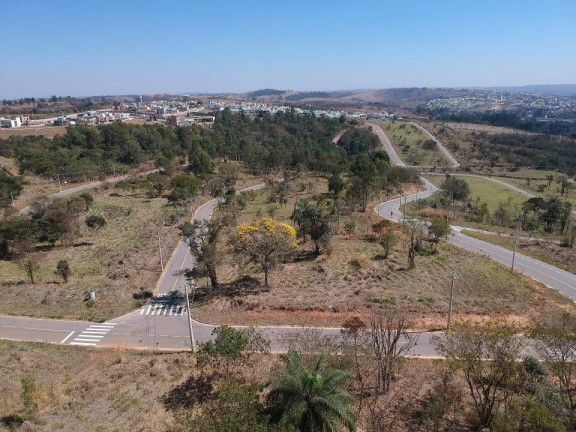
(191, 331)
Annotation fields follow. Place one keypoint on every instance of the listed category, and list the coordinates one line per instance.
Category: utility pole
(454, 278)
(518, 225)
(192, 341)
(160, 251)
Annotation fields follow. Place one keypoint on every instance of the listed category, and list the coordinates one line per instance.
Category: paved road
(441, 146)
(387, 145)
(77, 189)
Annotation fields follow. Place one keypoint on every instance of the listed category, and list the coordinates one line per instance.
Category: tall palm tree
(313, 400)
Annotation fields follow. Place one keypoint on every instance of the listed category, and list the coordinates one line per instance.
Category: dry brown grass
(91, 389)
(46, 131)
(115, 262)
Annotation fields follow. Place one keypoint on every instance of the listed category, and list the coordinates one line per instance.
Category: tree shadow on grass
(195, 390)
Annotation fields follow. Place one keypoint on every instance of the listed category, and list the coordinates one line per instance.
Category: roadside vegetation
(543, 249)
(486, 149)
(235, 384)
(357, 264)
(481, 203)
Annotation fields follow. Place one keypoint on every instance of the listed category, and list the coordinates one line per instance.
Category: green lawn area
(488, 191)
(408, 141)
(536, 186)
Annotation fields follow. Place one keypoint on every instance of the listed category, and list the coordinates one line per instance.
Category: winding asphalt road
(163, 325)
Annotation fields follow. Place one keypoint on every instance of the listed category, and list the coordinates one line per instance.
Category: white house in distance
(10, 123)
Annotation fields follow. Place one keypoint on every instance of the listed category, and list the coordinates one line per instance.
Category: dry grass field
(46, 131)
(80, 389)
(114, 261)
(354, 279)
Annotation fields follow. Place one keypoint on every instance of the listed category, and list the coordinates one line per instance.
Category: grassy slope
(402, 135)
(354, 279)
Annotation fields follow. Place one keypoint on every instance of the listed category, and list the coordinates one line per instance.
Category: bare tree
(415, 230)
(31, 267)
(487, 356)
(390, 343)
(556, 345)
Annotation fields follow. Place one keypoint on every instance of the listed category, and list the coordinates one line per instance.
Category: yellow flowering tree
(265, 243)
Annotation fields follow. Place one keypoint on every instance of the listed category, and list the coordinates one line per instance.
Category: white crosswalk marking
(93, 334)
(162, 309)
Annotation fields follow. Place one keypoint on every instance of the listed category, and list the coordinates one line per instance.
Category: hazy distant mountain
(550, 89)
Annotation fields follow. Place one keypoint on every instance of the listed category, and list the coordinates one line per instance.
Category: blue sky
(84, 48)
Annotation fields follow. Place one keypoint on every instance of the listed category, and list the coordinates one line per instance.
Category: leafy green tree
(349, 227)
(236, 409)
(201, 163)
(336, 185)
(202, 239)
(438, 228)
(231, 348)
(455, 188)
(387, 240)
(315, 221)
(310, 399)
(183, 188)
(31, 267)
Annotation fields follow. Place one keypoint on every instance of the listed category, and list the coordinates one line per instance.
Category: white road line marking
(142, 311)
(95, 332)
(67, 337)
(172, 309)
(179, 312)
(86, 340)
(92, 335)
(148, 311)
(82, 343)
(101, 326)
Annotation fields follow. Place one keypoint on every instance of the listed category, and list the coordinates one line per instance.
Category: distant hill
(264, 92)
(549, 89)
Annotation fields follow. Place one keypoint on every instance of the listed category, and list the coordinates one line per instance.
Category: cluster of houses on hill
(180, 113)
